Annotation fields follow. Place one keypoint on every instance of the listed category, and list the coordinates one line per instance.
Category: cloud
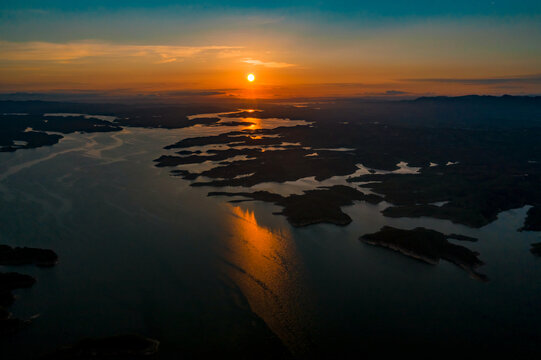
(166, 59)
(66, 52)
(269, 64)
(522, 79)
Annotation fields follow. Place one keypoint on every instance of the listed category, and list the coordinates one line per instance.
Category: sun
(251, 77)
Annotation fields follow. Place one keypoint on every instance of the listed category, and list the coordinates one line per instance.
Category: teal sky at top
(166, 21)
(384, 8)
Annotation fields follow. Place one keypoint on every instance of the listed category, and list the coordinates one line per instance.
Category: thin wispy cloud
(269, 64)
(71, 51)
(165, 58)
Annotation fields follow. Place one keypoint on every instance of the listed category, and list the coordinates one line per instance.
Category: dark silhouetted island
(26, 256)
(313, 206)
(9, 282)
(533, 219)
(26, 131)
(426, 245)
(12, 281)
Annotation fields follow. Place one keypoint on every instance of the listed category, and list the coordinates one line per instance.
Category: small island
(428, 246)
(13, 256)
(533, 219)
(9, 324)
(322, 205)
(9, 282)
(27, 256)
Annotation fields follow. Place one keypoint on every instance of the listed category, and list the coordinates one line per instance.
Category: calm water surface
(142, 251)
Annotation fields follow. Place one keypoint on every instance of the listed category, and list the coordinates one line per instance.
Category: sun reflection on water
(261, 251)
(256, 123)
(265, 264)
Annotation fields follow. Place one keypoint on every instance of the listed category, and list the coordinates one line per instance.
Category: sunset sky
(295, 49)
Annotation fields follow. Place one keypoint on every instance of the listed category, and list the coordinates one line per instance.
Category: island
(472, 194)
(9, 282)
(322, 205)
(533, 219)
(26, 131)
(26, 256)
(428, 246)
(9, 324)
(13, 256)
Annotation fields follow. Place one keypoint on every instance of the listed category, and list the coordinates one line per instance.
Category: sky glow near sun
(360, 48)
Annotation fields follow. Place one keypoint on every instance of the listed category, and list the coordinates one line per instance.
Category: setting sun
(251, 77)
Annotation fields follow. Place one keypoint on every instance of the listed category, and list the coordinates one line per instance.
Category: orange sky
(314, 55)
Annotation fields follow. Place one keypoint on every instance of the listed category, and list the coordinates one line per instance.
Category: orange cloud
(65, 52)
(269, 64)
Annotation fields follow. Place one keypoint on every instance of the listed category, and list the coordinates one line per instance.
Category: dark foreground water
(142, 251)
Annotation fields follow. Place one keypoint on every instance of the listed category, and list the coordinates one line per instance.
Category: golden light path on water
(266, 265)
(256, 123)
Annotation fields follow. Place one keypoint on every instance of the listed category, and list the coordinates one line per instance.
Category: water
(142, 251)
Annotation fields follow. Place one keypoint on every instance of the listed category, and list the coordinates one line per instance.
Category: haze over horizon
(387, 49)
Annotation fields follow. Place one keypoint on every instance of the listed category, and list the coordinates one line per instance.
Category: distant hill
(481, 99)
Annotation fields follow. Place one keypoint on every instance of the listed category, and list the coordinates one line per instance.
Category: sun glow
(251, 77)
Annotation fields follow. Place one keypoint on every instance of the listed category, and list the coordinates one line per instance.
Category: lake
(141, 251)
